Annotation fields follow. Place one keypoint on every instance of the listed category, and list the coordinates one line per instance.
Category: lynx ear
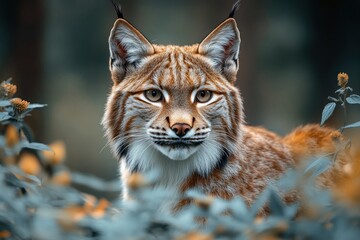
(222, 47)
(128, 48)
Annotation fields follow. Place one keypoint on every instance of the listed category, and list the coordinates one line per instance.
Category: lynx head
(173, 103)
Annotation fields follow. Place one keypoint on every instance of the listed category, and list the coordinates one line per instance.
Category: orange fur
(312, 141)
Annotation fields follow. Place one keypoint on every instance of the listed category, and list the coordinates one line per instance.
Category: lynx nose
(180, 129)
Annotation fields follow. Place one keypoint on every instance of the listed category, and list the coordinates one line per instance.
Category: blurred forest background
(56, 52)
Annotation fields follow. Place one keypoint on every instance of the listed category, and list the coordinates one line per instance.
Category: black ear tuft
(235, 8)
(118, 9)
(221, 47)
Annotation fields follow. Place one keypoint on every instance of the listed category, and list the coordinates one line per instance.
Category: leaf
(218, 207)
(36, 146)
(36, 105)
(292, 210)
(239, 208)
(333, 99)
(353, 125)
(349, 88)
(353, 99)
(13, 181)
(4, 116)
(29, 178)
(275, 203)
(29, 109)
(2, 142)
(5, 103)
(318, 166)
(340, 91)
(27, 132)
(328, 110)
(259, 203)
(8, 80)
(95, 183)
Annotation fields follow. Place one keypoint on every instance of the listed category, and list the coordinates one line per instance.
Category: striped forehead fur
(172, 68)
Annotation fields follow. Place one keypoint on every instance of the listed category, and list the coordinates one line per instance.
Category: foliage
(38, 199)
(342, 99)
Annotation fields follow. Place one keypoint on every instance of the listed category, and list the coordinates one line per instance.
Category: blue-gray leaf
(275, 203)
(29, 178)
(328, 110)
(356, 124)
(353, 99)
(259, 202)
(37, 146)
(340, 90)
(95, 183)
(318, 166)
(5, 103)
(349, 88)
(36, 105)
(4, 116)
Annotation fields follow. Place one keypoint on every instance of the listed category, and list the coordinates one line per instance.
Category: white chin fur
(177, 154)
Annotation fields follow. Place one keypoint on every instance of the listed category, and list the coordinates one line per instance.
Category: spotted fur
(219, 154)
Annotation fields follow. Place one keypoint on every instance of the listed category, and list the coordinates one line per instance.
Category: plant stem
(343, 99)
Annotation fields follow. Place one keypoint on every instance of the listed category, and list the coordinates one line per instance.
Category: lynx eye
(203, 96)
(153, 95)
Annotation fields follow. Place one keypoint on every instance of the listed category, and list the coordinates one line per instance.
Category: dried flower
(4, 234)
(73, 214)
(19, 104)
(12, 136)
(343, 79)
(136, 181)
(62, 178)
(92, 207)
(57, 155)
(100, 210)
(89, 201)
(7, 90)
(29, 164)
(77, 212)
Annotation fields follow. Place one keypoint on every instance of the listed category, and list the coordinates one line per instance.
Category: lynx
(176, 109)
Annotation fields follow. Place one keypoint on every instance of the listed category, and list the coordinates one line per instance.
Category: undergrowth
(38, 199)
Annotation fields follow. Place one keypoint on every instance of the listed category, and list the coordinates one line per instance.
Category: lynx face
(172, 103)
(179, 125)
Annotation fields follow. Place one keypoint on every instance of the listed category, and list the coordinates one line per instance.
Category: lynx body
(175, 109)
